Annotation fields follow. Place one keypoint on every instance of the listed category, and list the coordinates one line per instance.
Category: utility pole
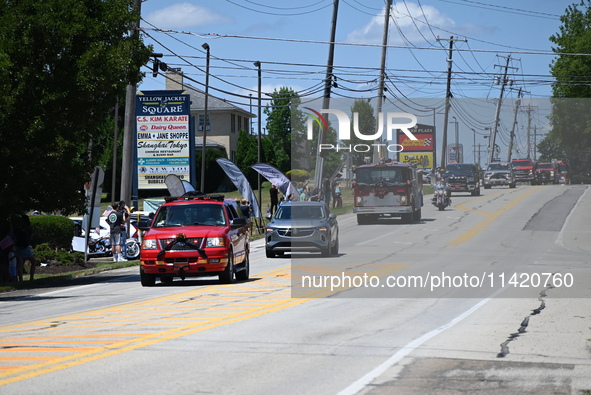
(535, 143)
(115, 144)
(503, 82)
(129, 132)
(376, 154)
(319, 169)
(448, 96)
(517, 103)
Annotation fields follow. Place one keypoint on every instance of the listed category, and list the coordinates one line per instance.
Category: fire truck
(564, 176)
(385, 190)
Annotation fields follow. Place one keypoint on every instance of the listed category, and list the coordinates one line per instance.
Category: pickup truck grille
(181, 246)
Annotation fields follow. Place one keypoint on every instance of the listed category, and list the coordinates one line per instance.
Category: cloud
(413, 22)
(183, 15)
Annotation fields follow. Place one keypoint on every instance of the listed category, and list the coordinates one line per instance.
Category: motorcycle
(132, 249)
(441, 197)
(102, 246)
(99, 245)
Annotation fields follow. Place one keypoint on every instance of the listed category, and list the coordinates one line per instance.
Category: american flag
(6, 242)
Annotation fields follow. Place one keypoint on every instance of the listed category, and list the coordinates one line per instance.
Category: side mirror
(332, 216)
(268, 216)
(238, 223)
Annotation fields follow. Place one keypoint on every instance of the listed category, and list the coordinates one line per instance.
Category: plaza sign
(163, 137)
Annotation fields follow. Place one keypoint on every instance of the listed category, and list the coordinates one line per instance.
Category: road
(278, 334)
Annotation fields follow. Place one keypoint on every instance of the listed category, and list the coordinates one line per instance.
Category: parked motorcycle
(99, 245)
(441, 197)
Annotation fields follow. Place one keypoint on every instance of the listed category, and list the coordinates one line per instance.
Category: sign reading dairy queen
(163, 137)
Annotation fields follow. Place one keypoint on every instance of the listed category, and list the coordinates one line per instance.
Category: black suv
(462, 177)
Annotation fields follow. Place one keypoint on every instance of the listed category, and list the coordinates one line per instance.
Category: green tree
(367, 125)
(571, 118)
(283, 131)
(214, 176)
(247, 155)
(62, 64)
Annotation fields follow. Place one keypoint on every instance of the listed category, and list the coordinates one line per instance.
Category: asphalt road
(404, 330)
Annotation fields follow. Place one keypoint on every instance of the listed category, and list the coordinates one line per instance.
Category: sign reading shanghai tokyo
(162, 125)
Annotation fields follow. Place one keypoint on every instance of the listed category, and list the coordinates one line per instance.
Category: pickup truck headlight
(215, 242)
(149, 244)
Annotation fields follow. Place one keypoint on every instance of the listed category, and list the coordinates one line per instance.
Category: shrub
(55, 230)
(298, 175)
(46, 253)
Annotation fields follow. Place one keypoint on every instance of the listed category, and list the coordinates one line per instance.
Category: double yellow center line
(489, 217)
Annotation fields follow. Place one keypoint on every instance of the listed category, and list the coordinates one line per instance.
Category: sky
(290, 40)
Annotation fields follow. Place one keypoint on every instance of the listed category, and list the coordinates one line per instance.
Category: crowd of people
(329, 192)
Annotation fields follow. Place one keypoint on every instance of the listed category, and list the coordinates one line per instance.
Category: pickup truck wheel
(244, 273)
(363, 219)
(227, 276)
(147, 280)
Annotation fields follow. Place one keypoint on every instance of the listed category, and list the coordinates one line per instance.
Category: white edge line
(561, 233)
(362, 382)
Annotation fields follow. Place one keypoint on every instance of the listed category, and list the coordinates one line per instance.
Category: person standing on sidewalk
(115, 219)
(23, 247)
(126, 216)
(274, 195)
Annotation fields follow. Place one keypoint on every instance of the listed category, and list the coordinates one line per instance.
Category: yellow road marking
(490, 217)
(185, 313)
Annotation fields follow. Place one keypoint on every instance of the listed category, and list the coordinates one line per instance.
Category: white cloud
(183, 15)
(412, 20)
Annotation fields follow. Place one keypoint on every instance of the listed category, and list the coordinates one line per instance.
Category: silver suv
(499, 173)
(302, 227)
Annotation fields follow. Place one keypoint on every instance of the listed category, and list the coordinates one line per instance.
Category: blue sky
(290, 40)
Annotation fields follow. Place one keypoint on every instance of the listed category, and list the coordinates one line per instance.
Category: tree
(247, 155)
(571, 118)
(367, 125)
(62, 64)
(283, 131)
(214, 176)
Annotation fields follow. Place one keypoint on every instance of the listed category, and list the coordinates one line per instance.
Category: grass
(43, 280)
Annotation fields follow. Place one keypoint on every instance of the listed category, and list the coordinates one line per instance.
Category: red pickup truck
(525, 170)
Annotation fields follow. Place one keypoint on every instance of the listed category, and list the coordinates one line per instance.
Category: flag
(274, 176)
(6, 242)
(238, 178)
